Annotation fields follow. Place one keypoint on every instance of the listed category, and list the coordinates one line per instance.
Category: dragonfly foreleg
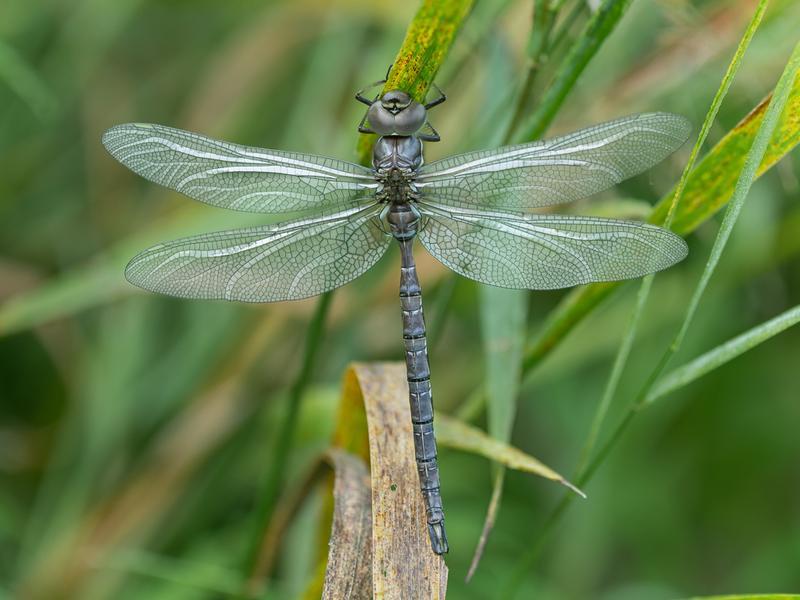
(360, 93)
(362, 128)
(438, 100)
(430, 137)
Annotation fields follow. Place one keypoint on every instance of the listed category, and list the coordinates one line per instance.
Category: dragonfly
(474, 212)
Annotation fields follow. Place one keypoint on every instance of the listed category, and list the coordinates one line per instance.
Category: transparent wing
(545, 251)
(554, 171)
(287, 261)
(238, 177)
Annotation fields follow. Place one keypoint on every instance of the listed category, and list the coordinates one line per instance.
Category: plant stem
(597, 29)
(566, 25)
(543, 18)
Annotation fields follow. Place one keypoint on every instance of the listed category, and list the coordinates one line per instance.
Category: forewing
(545, 251)
(554, 171)
(238, 177)
(287, 261)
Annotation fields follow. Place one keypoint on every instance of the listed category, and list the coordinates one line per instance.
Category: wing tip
(132, 277)
(671, 255)
(683, 251)
(682, 127)
(113, 135)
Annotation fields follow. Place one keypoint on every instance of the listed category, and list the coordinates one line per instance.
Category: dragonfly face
(473, 212)
(396, 114)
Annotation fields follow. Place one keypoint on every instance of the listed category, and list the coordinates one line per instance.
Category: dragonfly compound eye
(380, 119)
(409, 120)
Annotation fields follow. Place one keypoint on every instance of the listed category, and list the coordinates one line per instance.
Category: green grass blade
(276, 474)
(723, 354)
(610, 389)
(597, 29)
(544, 16)
(621, 358)
(503, 311)
(503, 318)
(747, 175)
(453, 433)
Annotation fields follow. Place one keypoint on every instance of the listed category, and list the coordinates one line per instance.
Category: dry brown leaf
(348, 573)
(403, 564)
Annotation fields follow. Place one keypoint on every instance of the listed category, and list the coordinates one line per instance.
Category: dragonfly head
(396, 114)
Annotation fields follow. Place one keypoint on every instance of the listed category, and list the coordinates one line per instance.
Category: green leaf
(503, 317)
(597, 29)
(746, 177)
(752, 160)
(456, 434)
(276, 472)
(723, 354)
(503, 311)
(772, 115)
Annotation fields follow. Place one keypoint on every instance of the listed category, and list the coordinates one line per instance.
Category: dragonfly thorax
(396, 161)
(403, 153)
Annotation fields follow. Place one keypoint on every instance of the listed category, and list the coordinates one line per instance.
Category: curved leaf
(457, 434)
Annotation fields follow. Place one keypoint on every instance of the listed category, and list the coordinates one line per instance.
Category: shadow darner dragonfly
(473, 212)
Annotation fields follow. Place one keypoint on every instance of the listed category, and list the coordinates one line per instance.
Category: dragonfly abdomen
(403, 220)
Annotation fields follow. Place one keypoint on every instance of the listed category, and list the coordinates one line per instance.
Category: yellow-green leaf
(427, 42)
(457, 434)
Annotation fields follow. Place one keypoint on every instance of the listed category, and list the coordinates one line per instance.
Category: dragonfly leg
(429, 137)
(360, 93)
(438, 100)
(420, 395)
(362, 126)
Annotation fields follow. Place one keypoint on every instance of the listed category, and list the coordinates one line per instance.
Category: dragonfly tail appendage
(420, 397)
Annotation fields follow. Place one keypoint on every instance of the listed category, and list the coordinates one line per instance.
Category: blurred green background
(135, 430)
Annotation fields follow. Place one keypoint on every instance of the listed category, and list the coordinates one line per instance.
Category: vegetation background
(136, 431)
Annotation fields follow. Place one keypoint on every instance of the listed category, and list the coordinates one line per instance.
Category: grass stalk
(544, 18)
(753, 159)
(623, 353)
(596, 31)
